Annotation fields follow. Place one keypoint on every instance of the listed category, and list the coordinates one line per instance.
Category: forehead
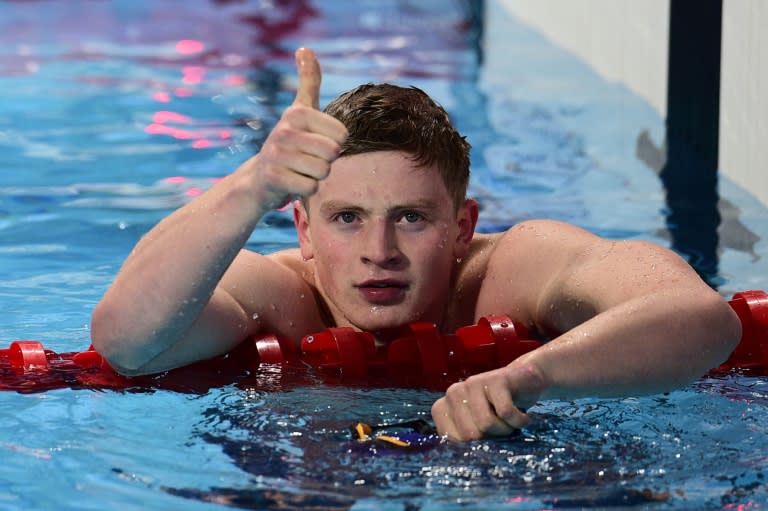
(381, 179)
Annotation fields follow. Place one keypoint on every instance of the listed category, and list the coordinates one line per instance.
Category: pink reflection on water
(162, 97)
(193, 74)
(189, 46)
(177, 133)
(163, 121)
(183, 92)
(163, 116)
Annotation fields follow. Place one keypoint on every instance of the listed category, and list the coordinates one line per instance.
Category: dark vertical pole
(693, 114)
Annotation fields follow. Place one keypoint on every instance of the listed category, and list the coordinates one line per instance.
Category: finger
(286, 182)
(510, 417)
(443, 422)
(308, 166)
(482, 410)
(459, 413)
(308, 92)
(313, 121)
(481, 406)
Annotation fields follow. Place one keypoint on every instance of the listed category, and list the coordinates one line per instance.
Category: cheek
(435, 258)
(331, 256)
(330, 248)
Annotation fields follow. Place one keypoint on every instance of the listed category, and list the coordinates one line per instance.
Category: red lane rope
(421, 357)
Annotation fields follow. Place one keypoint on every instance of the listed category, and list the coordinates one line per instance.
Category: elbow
(102, 331)
(735, 330)
(107, 340)
(726, 329)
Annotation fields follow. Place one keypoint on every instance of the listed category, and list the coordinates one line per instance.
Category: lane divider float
(421, 357)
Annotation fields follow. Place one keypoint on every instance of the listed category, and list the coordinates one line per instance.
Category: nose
(380, 246)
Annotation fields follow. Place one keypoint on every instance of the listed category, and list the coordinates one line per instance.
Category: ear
(301, 221)
(466, 219)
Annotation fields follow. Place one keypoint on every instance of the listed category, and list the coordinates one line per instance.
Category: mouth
(383, 292)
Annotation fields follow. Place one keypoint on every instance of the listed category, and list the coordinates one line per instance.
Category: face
(385, 237)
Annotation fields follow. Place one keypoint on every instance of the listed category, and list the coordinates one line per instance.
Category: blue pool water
(116, 112)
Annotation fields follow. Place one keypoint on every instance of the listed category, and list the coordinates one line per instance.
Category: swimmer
(386, 237)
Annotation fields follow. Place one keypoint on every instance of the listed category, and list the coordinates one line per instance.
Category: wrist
(260, 187)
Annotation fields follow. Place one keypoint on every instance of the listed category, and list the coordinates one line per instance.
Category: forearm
(650, 344)
(172, 272)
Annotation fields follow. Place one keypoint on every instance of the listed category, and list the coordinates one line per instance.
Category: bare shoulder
(292, 260)
(548, 273)
(560, 251)
(276, 291)
(543, 233)
(528, 261)
(531, 244)
(541, 247)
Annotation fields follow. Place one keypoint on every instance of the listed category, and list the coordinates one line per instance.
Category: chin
(387, 318)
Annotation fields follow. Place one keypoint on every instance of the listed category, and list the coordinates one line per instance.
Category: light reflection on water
(106, 129)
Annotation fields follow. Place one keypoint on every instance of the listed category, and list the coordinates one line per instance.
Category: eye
(412, 217)
(345, 217)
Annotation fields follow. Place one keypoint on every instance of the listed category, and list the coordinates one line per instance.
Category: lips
(383, 291)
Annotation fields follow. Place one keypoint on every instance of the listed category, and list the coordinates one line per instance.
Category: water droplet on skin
(290, 323)
(255, 315)
(301, 295)
(273, 306)
(310, 338)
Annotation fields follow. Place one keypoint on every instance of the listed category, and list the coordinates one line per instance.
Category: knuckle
(270, 151)
(293, 112)
(437, 409)
(455, 391)
(334, 150)
(283, 133)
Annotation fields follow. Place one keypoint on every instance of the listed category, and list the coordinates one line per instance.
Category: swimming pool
(105, 129)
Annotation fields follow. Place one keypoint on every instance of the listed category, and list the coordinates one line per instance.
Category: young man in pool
(386, 237)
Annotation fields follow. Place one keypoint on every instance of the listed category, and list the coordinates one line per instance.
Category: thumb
(308, 92)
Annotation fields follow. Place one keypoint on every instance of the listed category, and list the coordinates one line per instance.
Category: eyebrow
(341, 205)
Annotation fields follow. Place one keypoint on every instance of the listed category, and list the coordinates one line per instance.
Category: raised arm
(187, 292)
(627, 318)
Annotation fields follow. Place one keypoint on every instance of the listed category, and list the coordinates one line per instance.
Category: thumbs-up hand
(299, 151)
